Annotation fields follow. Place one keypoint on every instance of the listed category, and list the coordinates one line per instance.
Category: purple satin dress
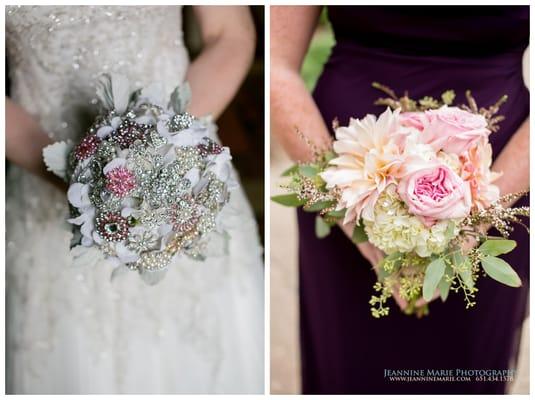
(425, 50)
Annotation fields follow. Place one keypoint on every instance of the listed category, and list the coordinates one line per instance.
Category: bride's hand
(229, 40)
(25, 140)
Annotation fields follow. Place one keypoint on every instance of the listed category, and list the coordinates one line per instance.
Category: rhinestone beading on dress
(91, 40)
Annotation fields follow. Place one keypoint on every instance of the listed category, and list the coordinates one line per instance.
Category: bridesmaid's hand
(374, 257)
(368, 250)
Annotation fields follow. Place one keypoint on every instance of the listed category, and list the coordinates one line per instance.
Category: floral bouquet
(417, 183)
(146, 183)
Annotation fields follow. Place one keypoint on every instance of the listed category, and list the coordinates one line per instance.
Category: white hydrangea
(394, 229)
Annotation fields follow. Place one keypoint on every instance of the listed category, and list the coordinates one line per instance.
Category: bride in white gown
(70, 329)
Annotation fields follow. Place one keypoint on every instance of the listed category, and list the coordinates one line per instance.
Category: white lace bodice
(56, 53)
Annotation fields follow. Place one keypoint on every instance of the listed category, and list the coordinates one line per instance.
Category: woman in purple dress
(425, 50)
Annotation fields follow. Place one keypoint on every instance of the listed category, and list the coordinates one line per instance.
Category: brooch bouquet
(147, 182)
(417, 183)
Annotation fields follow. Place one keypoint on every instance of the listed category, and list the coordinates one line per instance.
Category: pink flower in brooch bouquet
(370, 155)
(448, 128)
(433, 191)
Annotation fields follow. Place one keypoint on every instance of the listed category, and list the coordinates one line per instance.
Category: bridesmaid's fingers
(379, 255)
(402, 303)
(421, 302)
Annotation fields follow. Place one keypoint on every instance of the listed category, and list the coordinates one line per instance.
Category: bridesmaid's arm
(292, 105)
(513, 162)
(229, 40)
(25, 140)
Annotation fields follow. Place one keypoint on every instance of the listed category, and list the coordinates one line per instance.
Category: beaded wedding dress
(71, 329)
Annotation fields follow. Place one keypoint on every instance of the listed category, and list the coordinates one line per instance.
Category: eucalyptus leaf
(445, 284)
(495, 247)
(320, 205)
(450, 231)
(462, 263)
(337, 213)
(322, 228)
(308, 170)
(500, 271)
(433, 274)
(359, 234)
(288, 200)
(292, 170)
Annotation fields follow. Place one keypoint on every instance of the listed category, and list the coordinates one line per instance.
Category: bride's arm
(292, 105)
(215, 76)
(25, 140)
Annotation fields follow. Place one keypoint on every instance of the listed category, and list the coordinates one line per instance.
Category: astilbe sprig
(500, 217)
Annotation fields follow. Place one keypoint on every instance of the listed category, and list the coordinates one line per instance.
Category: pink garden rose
(435, 192)
(449, 128)
(454, 130)
(417, 120)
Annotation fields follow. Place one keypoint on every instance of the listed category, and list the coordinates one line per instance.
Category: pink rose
(434, 193)
(453, 130)
(417, 120)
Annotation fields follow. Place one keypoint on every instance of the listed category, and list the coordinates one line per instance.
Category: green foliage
(322, 228)
(501, 271)
(433, 274)
(320, 205)
(336, 214)
(447, 97)
(450, 232)
(496, 247)
(292, 170)
(462, 267)
(429, 103)
(388, 265)
(308, 170)
(445, 283)
(288, 200)
(318, 52)
(359, 234)
(377, 303)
